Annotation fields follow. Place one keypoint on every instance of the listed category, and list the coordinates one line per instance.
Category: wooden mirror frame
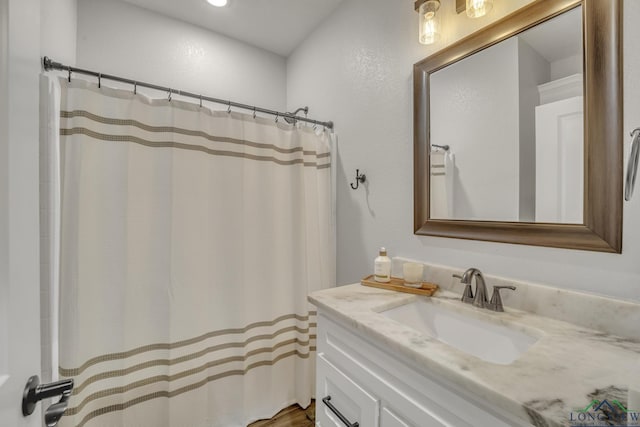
(603, 132)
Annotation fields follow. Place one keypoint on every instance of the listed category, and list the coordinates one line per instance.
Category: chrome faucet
(479, 299)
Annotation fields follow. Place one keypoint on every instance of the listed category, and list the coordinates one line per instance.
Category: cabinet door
(347, 398)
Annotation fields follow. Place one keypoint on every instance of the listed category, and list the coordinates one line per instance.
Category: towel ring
(632, 165)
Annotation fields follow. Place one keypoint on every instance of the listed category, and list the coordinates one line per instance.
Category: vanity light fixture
(428, 20)
(218, 3)
(474, 8)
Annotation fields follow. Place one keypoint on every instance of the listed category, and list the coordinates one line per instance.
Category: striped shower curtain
(188, 242)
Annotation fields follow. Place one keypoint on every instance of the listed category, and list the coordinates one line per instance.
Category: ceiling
(275, 25)
(557, 38)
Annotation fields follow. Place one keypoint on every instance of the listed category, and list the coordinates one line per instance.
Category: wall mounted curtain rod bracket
(51, 65)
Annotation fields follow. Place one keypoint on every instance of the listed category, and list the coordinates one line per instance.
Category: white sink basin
(488, 341)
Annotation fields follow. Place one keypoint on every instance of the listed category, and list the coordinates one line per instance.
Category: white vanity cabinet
(369, 386)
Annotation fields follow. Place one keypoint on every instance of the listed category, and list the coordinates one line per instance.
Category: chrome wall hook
(360, 178)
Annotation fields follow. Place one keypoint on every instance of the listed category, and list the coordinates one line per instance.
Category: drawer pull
(326, 401)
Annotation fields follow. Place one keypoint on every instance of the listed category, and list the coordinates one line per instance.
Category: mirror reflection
(506, 127)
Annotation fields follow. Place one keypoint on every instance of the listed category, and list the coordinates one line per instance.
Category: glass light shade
(429, 22)
(478, 8)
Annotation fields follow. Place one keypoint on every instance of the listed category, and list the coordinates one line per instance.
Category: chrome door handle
(35, 392)
(327, 401)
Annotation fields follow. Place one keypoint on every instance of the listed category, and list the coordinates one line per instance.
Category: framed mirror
(518, 130)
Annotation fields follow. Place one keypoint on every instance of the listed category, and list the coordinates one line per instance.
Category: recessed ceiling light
(218, 3)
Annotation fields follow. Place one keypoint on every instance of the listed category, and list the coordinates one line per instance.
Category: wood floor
(293, 416)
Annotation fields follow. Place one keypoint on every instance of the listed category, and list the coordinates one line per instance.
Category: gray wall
(118, 38)
(356, 69)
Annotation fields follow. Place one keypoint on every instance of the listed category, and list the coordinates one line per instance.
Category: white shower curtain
(189, 240)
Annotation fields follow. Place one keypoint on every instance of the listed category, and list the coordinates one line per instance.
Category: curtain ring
(229, 108)
(169, 98)
(315, 126)
(277, 117)
(200, 101)
(69, 74)
(135, 88)
(254, 112)
(99, 80)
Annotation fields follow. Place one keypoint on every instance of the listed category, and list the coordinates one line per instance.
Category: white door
(560, 161)
(19, 207)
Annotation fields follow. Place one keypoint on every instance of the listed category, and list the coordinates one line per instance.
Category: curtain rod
(49, 65)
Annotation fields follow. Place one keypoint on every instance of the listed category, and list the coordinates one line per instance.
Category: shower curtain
(188, 242)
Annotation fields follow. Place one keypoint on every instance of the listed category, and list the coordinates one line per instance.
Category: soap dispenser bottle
(382, 267)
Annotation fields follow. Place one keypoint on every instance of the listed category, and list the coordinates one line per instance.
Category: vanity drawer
(388, 418)
(412, 416)
(348, 398)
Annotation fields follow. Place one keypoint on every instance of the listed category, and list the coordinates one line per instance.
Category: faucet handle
(496, 300)
(467, 295)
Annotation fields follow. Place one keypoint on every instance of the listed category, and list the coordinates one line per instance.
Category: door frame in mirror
(603, 132)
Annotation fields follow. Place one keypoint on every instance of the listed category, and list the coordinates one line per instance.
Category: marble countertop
(566, 369)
